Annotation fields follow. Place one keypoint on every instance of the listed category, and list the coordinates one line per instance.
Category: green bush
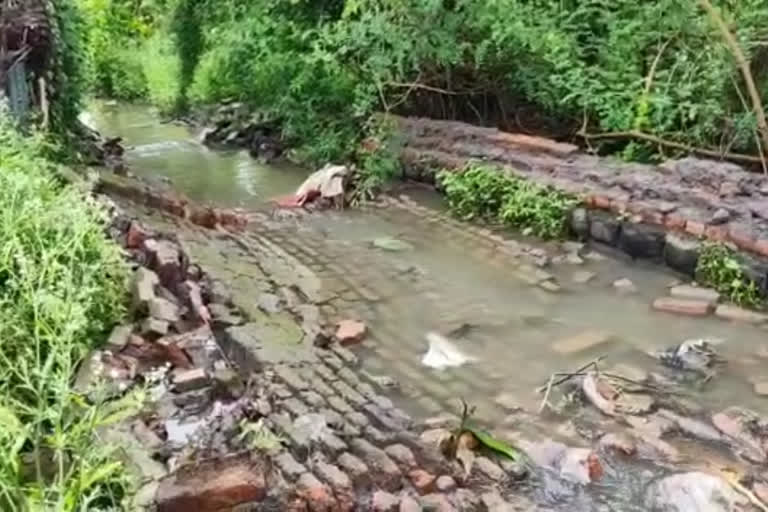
(719, 267)
(658, 66)
(483, 192)
(61, 288)
(161, 70)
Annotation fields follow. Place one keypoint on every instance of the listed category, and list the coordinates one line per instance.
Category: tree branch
(634, 134)
(743, 63)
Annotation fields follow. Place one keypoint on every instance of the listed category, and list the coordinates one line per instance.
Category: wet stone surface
(340, 410)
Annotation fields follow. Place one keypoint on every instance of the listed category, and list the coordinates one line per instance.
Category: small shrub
(719, 268)
(379, 156)
(486, 193)
(476, 192)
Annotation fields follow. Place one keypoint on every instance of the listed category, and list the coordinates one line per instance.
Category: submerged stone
(391, 244)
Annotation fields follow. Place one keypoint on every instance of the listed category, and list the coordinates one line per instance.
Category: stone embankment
(659, 212)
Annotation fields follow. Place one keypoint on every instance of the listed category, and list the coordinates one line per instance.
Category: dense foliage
(482, 192)
(61, 289)
(658, 67)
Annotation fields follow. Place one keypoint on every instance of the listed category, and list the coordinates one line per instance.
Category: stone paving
(350, 447)
(278, 288)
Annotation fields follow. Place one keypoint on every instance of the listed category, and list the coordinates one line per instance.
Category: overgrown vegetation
(611, 69)
(487, 193)
(719, 267)
(61, 288)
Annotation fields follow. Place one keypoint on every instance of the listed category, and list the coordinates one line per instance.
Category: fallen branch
(744, 67)
(589, 386)
(634, 134)
(569, 376)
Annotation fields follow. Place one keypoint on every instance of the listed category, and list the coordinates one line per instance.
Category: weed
(483, 192)
(260, 438)
(719, 268)
(61, 288)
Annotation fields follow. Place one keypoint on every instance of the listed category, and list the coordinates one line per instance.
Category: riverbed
(443, 275)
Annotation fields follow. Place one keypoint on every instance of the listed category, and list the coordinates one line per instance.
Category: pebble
(624, 286)
(761, 388)
(445, 483)
(383, 501)
(408, 504)
(583, 276)
(422, 481)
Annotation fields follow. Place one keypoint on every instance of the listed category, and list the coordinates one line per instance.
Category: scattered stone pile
(306, 435)
(234, 125)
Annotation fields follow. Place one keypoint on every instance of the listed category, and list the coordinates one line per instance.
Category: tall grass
(61, 288)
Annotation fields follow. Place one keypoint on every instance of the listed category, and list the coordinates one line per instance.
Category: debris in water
(696, 355)
(327, 183)
(443, 353)
(462, 444)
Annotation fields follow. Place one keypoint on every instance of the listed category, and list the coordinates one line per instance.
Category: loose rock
(692, 492)
(212, 488)
(350, 332)
(624, 286)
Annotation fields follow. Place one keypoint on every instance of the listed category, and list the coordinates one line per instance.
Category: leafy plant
(259, 437)
(484, 192)
(464, 441)
(719, 267)
(61, 288)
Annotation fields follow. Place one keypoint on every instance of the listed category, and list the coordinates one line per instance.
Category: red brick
(716, 233)
(136, 235)
(695, 228)
(761, 247)
(602, 202)
(742, 236)
(212, 487)
(653, 217)
(619, 205)
(422, 481)
(674, 221)
(682, 306)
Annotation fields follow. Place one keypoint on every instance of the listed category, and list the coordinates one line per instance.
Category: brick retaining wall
(659, 212)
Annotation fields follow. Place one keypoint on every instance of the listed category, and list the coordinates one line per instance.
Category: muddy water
(445, 276)
(172, 152)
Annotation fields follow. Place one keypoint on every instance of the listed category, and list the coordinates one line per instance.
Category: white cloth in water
(443, 354)
(329, 181)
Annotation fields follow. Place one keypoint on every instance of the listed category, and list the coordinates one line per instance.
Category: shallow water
(173, 153)
(445, 278)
